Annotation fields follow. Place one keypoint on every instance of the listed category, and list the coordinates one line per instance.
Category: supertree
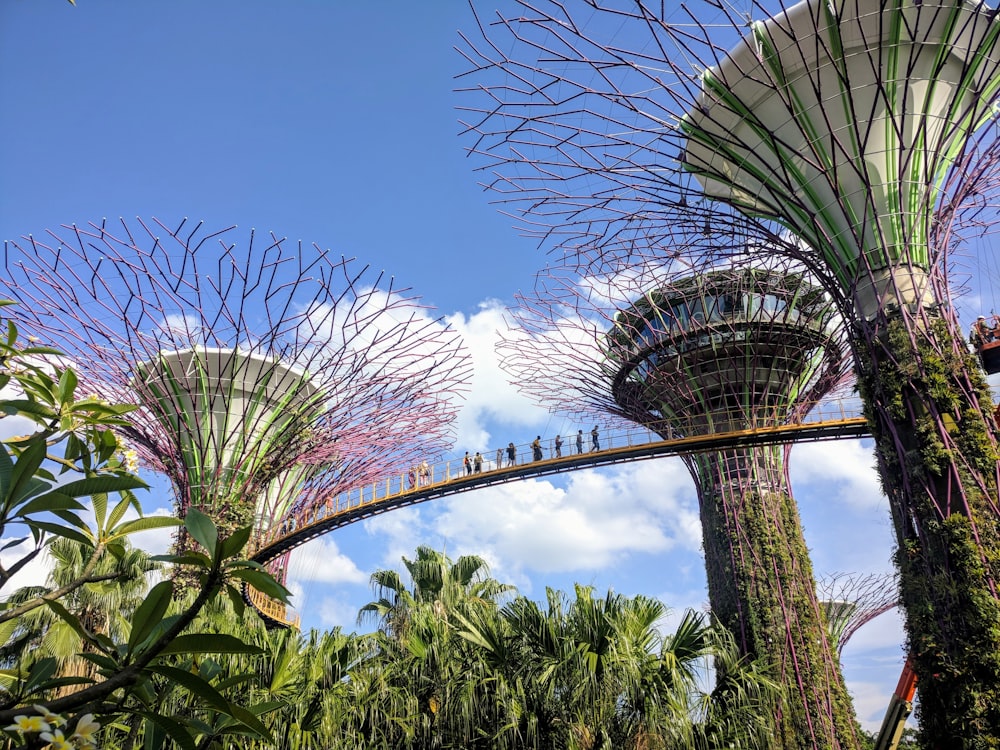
(851, 600)
(866, 130)
(269, 374)
(691, 352)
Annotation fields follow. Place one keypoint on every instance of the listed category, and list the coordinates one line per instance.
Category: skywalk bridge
(829, 421)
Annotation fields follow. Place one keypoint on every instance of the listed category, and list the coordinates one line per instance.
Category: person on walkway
(558, 446)
(467, 462)
(424, 475)
(411, 478)
(579, 442)
(499, 458)
(595, 443)
(981, 332)
(478, 461)
(511, 454)
(536, 448)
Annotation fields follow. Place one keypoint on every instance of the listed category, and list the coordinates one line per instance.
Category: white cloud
(34, 573)
(492, 397)
(321, 561)
(596, 521)
(839, 469)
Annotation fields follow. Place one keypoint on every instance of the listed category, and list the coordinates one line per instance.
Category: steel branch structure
(864, 128)
(270, 375)
(850, 601)
(698, 352)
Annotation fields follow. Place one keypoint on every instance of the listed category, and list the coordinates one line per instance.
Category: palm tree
(436, 581)
(104, 606)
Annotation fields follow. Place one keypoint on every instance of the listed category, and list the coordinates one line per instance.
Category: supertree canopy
(690, 353)
(269, 374)
(867, 129)
(850, 601)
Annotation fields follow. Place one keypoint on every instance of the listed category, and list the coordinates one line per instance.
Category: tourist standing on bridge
(467, 462)
(478, 462)
(499, 458)
(558, 446)
(579, 442)
(511, 454)
(595, 444)
(536, 448)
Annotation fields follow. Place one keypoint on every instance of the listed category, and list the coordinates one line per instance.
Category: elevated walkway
(449, 478)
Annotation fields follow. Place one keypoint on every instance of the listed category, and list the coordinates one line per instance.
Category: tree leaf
(48, 502)
(60, 530)
(263, 582)
(193, 684)
(67, 385)
(150, 613)
(209, 643)
(235, 543)
(102, 483)
(202, 529)
(144, 524)
(177, 731)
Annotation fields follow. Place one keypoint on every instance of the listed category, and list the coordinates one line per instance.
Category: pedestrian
(499, 457)
(479, 463)
(558, 446)
(411, 478)
(579, 442)
(467, 462)
(595, 444)
(981, 332)
(425, 474)
(536, 448)
(511, 454)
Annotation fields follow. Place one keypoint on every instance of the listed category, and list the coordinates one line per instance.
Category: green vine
(948, 557)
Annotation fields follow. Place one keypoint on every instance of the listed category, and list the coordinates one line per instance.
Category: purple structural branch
(852, 600)
(858, 139)
(270, 374)
(695, 350)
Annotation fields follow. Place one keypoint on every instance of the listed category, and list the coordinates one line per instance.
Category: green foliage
(930, 412)
(119, 660)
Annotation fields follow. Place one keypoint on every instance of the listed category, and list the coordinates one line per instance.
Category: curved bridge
(360, 503)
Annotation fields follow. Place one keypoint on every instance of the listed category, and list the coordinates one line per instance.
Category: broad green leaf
(150, 613)
(67, 385)
(100, 501)
(209, 643)
(249, 720)
(48, 502)
(145, 524)
(235, 543)
(236, 599)
(177, 731)
(194, 684)
(30, 408)
(119, 511)
(263, 582)
(58, 530)
(73, 520)
(187, 558)
(13, 543)
(202, 529)
(6, 470)
(102, 483)
(104, 662)
(25, 467)
(40, 674)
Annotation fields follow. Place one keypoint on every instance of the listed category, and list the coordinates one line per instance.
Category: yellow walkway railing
(831, 420)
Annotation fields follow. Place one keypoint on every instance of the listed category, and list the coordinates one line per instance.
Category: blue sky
(335, 123)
